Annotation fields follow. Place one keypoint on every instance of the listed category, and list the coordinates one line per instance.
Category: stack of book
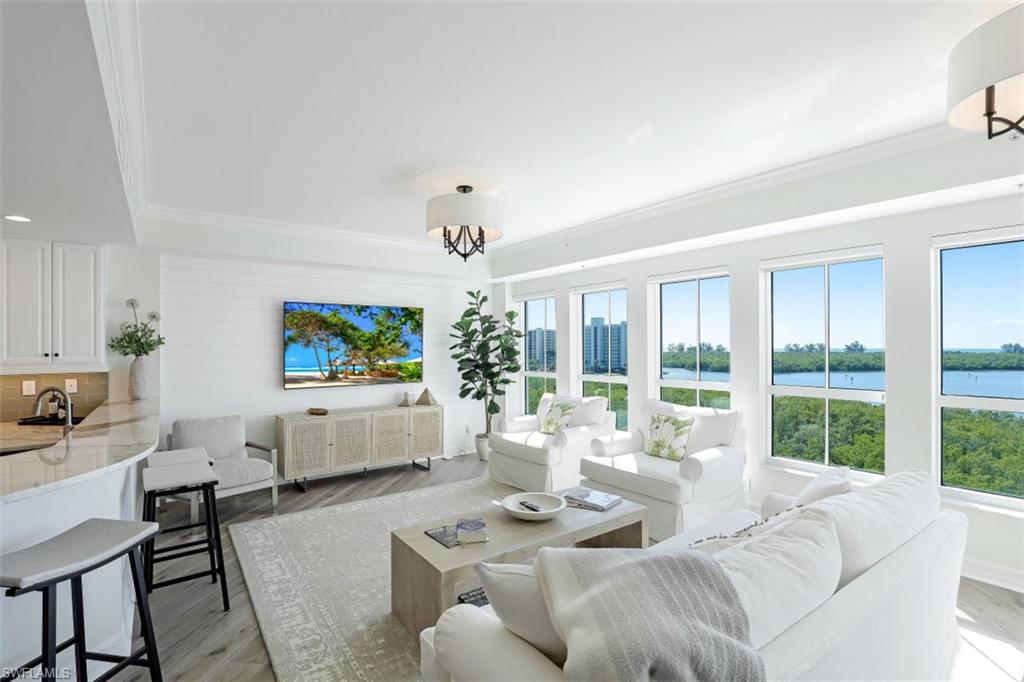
(594, 500)
(463, 532)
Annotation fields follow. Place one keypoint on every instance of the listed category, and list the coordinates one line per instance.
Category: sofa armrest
(775, 503)
(527, 422)
(472, 644)
(712, 463)
(578, 438)
(619, 443)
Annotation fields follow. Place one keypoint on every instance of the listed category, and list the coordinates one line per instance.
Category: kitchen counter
(93, 472)
(14, 438)
(115, 434)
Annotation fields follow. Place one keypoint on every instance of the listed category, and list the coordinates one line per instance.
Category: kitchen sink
(45, 420)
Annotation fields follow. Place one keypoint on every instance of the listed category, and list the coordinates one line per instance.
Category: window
(604, 350)
(539, 351)
(693, 320)
(981, 397)
(826, 402)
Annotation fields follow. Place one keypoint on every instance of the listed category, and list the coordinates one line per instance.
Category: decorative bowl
(551, 506)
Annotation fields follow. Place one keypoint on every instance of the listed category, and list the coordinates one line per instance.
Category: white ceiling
(349, 116)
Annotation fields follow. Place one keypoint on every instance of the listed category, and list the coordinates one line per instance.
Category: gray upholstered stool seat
(171, 476)
(90, 543)
(165, 457)
(67, 557)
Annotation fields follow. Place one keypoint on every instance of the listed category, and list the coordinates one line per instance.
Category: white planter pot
(141, 380)
(483, 449)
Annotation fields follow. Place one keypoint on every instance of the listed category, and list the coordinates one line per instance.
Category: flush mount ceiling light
(463, 221)
(17, 218)
(986, 77)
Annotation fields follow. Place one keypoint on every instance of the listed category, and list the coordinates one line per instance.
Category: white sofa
(678, 495)
(892, 616)
(523, 457)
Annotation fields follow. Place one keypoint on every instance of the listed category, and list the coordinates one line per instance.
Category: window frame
(524, 373)
(576, 326)
(654, 333)
(768, 389)
(999, 235)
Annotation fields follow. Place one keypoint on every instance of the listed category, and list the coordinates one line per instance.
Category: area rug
(320, 581)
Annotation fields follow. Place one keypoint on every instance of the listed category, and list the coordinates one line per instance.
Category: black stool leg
(220, 548)
(149, 514)
(142, 597)
(49, 662)
(208, 492)
(78, 618)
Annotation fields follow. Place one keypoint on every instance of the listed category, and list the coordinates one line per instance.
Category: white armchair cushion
(472, 644)
(619, 443)
(223, 437)
(528, 422)
(640, 473)
(232, 472)
(711, 427)
(834, 481)
(530, 446)
(515, 596)
(722, 462)
(589, 411)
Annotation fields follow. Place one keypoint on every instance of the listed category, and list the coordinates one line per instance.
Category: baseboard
(992, 574)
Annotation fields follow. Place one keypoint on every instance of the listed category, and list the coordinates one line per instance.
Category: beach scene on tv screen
(332, 344)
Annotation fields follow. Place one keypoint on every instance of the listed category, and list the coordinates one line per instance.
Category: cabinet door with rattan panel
(390, 436)
(427, 431)
(351, 441)
(307, 448)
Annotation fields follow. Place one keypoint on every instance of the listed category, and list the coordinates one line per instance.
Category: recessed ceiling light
(17, 218)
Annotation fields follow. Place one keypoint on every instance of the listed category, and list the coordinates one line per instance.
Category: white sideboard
(357, 439)
(51, 317)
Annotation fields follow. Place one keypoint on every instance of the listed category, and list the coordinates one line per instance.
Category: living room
(318, 300)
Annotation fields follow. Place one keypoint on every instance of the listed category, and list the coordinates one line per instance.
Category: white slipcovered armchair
(241, 466)
(525, 458)
(707, 482)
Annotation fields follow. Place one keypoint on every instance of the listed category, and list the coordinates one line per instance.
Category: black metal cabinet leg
(417, 465)
(49, 662)
(220, 551)
(142, 597)
(78, 621)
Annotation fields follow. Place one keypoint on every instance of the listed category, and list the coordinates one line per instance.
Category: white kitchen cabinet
(51, 306)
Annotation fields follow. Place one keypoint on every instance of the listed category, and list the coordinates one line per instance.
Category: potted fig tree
(487, 351)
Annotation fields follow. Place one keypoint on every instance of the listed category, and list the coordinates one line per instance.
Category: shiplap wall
(224, 353)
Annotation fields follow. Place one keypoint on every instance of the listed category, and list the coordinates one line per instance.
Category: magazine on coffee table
(594, 500)
(462, 532)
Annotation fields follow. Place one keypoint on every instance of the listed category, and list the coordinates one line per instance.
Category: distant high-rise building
(605, 347)
(540, 349)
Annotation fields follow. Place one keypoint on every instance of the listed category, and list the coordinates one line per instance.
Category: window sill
(983, 502)
(810, 470)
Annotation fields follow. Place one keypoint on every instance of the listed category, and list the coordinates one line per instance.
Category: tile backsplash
(93, 389)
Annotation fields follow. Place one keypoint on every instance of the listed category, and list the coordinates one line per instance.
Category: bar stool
(177, 475)
(68, 556)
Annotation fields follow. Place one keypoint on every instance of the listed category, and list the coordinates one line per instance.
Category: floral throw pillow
(557, 417)
(667, 436)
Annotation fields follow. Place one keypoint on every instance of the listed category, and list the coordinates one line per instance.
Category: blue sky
(679, 312)
(296, 356)
(983, 296)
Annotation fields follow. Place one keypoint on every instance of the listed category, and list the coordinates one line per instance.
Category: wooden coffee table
(427, 577)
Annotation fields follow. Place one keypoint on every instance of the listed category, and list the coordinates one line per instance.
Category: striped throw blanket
(629, 614)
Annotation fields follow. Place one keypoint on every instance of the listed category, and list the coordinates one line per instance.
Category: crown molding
(855, 156)
(165, 213)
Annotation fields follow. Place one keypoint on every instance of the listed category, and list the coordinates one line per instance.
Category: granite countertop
(114, 435)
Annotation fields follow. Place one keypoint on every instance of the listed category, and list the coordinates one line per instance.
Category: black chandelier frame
(464, 242)
(990, 114)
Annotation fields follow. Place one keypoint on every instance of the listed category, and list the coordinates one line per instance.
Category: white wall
(223, 322)
(996, 539)
(131, 273)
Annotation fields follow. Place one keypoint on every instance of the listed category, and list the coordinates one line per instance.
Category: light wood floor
(199, 641)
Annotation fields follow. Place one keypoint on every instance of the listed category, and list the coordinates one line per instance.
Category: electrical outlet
(28, 388)
(71, 385)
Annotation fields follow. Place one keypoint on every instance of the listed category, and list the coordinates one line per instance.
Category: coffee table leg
(417, 598)
(633, 535)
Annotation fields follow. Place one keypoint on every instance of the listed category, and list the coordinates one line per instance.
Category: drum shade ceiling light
(986, 77)
(463, 221)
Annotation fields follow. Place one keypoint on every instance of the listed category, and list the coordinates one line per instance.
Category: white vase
(140, 378)
(483, 448)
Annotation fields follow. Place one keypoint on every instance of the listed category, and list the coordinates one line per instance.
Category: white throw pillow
(589, 411)
(543, 405)
(711, 431)
(835, 481)
(872, 522)
(517, 600)
(783, 574)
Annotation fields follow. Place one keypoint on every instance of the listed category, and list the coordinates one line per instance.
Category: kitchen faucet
(65, 399)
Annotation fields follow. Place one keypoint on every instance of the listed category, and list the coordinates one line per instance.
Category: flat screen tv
(336, 344)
